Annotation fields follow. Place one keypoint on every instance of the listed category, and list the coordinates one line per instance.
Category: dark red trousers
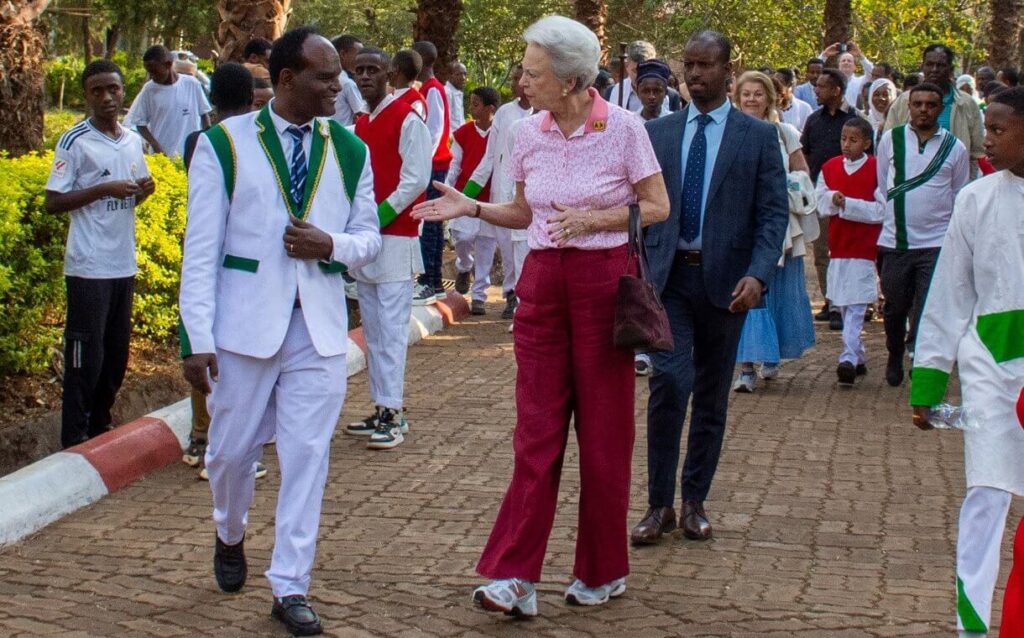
(1013, 599)
(568, 370)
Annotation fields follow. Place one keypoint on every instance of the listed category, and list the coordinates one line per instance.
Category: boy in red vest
(399, 145)
(405, 68)
(474, 239)
(846, 192)
(438, 122)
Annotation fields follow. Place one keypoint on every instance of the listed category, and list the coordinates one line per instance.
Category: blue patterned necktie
(693, 181)
(298, 164)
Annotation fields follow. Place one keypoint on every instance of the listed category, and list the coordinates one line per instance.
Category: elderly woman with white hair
(579, 164)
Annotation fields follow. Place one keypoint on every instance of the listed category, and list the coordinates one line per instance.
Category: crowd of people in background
(871, 174)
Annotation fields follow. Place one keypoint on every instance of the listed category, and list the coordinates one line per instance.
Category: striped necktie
(298, 163)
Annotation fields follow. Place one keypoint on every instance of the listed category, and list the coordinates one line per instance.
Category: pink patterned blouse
(595, 168)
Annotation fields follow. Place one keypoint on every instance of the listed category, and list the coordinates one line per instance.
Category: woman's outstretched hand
(450, 205)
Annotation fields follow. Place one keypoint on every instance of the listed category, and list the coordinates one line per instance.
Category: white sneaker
(351, 291)
(510, 596)
(769, 371)
(580, 594)
(745, 382)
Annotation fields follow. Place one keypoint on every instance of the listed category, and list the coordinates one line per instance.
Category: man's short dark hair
(836, 76)
(345, 42)
(231, 87)
(97, 67)
(950, 55)
(885, 66)
(861, 125)
(786, 75)
(1011, 76)
(287, 52)
(927, 87)
(1013, 98)
(718, 39)
(993, 88)
(815, 61)
(256, 46)
(261, 83)
(912, 80)
(156, 53)
(407, 62)
(427, 51)
(488, 96)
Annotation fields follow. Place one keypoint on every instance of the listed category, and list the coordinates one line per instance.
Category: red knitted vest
(382, 135)
(413, 97)
(473, 146)
(443, 154)
(848, 239)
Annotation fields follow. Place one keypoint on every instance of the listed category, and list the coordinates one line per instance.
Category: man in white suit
(280, 203)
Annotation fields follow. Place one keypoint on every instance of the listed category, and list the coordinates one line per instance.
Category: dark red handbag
(641, 323)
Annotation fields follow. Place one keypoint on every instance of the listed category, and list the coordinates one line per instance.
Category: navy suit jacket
(747, 211)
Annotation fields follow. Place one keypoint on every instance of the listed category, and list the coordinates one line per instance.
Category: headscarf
(653, 69)
(969, 81)
(877, 118)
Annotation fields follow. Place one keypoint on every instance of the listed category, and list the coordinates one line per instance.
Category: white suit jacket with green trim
(974, 316)
(238, 285)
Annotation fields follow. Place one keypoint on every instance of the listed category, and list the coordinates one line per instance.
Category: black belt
(690, 257)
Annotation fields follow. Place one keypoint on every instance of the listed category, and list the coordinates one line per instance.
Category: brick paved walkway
(833, 517)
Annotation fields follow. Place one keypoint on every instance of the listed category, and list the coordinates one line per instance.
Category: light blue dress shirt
(713, 132)
(805, 92)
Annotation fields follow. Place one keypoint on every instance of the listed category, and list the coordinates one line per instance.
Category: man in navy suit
(711, 260)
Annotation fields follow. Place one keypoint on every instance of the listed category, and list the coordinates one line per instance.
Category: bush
(32, 260)
(55, 124)
(67, 69)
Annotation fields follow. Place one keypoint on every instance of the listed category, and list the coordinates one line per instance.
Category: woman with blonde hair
(579, 165)
(783, 327)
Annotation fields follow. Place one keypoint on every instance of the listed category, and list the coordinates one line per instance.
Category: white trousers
(304, 391)
(853, 325)
(476, 253)
(385, 310)
(979, 539)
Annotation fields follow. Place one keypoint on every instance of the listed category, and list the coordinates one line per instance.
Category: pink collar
(597, 121)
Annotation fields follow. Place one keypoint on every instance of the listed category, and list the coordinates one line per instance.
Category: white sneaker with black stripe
(388, 433)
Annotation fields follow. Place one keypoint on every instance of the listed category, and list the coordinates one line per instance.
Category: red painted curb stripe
(130, 451)
(359, 338)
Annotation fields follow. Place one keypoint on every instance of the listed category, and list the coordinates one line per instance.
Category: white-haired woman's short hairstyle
(573, 48)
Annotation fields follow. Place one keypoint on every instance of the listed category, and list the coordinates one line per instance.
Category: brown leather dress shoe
(657, 521)
(695, 521)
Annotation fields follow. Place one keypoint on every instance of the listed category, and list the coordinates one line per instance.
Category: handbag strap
(635, 241)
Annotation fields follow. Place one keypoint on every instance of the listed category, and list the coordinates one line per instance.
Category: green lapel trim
(183, 340)
(241, 263)
(332, 268)
(472, 189)
(350, 153)
(928, 386)
(224, 148)
(945, 148)
(899, 156)
(275, 155)
(385, 213)
(1001, 332)
(968, 616)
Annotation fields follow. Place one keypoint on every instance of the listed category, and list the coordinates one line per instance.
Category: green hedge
(67, 69)
(32, 256)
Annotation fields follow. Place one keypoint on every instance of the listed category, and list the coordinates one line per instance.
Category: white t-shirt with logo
(101, 239)
(170, 111)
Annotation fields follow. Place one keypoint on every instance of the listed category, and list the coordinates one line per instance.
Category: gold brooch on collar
(599, 125)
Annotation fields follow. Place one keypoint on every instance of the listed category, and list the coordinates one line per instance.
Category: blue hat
(653, 69)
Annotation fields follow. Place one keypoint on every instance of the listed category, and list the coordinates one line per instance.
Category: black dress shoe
(894, 370)
(862, 369)
(297, 615)
(823, 315)
(229, 565)
(657, 521)
(695, 521)
(835, 320)
(462, 282)
(846, 373)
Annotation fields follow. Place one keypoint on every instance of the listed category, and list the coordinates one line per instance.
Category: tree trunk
(110, 42)
(594, 14)
(21, 76)
(1004, 32)
(838, 16)
(437, 21)
(243, 20)
(86, 41)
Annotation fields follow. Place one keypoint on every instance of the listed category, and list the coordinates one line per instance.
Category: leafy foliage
(32, 256)
(66, 71)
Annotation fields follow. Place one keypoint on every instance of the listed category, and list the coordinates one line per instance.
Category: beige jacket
(965, 123)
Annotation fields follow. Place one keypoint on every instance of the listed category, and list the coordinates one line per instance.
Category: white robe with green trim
(974, 316)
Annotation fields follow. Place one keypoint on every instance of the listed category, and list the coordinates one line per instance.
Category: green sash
(902, 185)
